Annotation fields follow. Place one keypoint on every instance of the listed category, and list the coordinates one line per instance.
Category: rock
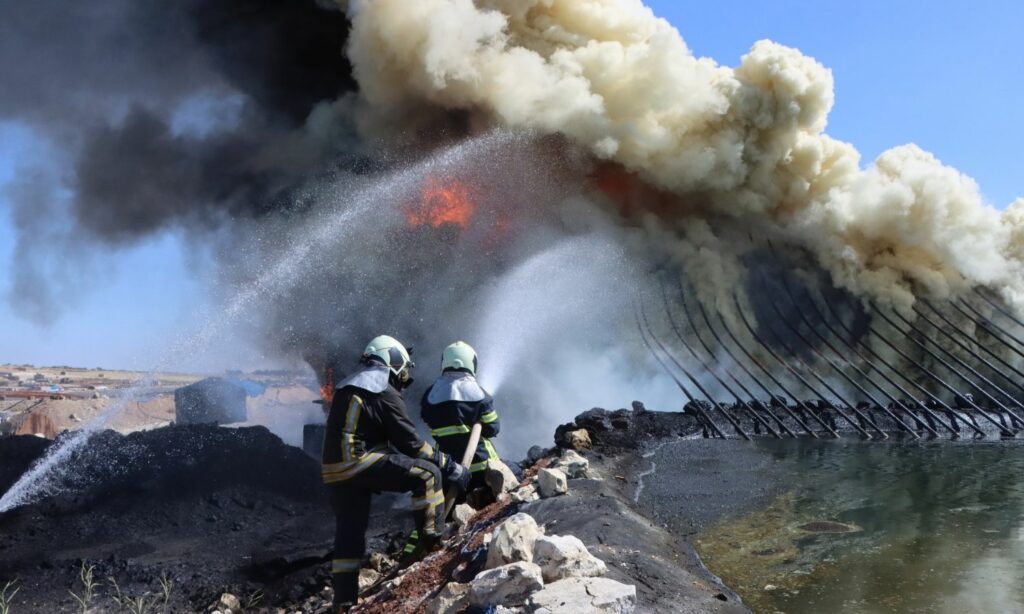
(573, 464)
(367, 577)
(596, 419)
(565, 556)
(770, 587)
(620, 422)
(503, 610)
(513, 541)
(510, 584)
(381, 562)
(454, 597)
(638, 407)
(586, 596)
(578, 440)
(551, 483)
(525, 494)
(229, 602)
(535, 453)
(462, 514)
(500, 478)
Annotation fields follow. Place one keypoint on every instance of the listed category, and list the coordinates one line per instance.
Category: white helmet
(459, 355)
(393, 353)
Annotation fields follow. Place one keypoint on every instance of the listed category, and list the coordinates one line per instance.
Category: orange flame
(441, 204)
(327, 389)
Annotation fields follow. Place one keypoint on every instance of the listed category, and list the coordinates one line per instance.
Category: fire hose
(467, 460)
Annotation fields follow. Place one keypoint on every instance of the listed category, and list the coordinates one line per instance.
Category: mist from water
(557, 337)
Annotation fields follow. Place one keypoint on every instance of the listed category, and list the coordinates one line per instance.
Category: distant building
(212, 400)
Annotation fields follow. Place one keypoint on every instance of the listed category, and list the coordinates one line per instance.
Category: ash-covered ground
(209, 508)
(215, 509)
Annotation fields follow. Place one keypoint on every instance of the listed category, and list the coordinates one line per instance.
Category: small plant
(166, 586)
(88, 585)
(7, 594)
(118, 597)
(253, 601)
(137, 605)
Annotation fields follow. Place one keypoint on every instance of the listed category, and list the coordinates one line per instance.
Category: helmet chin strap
(401, 383)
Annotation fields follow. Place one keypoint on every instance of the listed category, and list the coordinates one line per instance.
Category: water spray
(330, 228)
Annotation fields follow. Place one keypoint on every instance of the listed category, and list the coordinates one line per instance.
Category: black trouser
(351, 502)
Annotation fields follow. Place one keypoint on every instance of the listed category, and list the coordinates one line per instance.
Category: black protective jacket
(367, 420)
(451, 406)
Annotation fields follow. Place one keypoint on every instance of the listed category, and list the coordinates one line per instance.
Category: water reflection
(935, 528)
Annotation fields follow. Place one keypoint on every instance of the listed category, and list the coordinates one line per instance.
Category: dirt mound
(16, 454)
(209, 507)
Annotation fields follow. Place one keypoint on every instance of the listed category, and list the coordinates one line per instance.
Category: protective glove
(442, 460)
(453, 472)
(458, 476)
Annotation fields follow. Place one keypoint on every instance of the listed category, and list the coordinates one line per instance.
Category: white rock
(525, 494)
(500, 478)
(565, 556)
(573, 464)
(462, 514)
(381, 562)
(513, 541)
(454, 597)
(586, 596)
(506, 585)
(228, 601)
(551, 483)
(367, 577)
(503, 610)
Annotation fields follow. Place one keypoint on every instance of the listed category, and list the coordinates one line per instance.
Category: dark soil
(210, 508)
(700, 482)
(16, 454)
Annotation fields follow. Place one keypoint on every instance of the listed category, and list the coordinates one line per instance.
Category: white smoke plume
(744, 143)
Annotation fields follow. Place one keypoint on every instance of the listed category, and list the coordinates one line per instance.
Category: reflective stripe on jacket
(451, 417)
(362, 426)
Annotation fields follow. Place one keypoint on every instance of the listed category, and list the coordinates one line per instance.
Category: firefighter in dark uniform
(454, 403)
(371, 445)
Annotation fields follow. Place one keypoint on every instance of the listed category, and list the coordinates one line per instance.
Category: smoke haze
(511, 173)
(747, 143)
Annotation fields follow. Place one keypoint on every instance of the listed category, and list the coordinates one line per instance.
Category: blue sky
(947, 76)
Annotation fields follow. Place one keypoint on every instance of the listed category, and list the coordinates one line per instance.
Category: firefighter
(454, 403)
(371, 445)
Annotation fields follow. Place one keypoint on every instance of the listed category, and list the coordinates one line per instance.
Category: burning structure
(944, 391)
(544, 179)
(517, 174)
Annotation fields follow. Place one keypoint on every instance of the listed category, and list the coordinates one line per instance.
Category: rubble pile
(621, 430)
(502, 559)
